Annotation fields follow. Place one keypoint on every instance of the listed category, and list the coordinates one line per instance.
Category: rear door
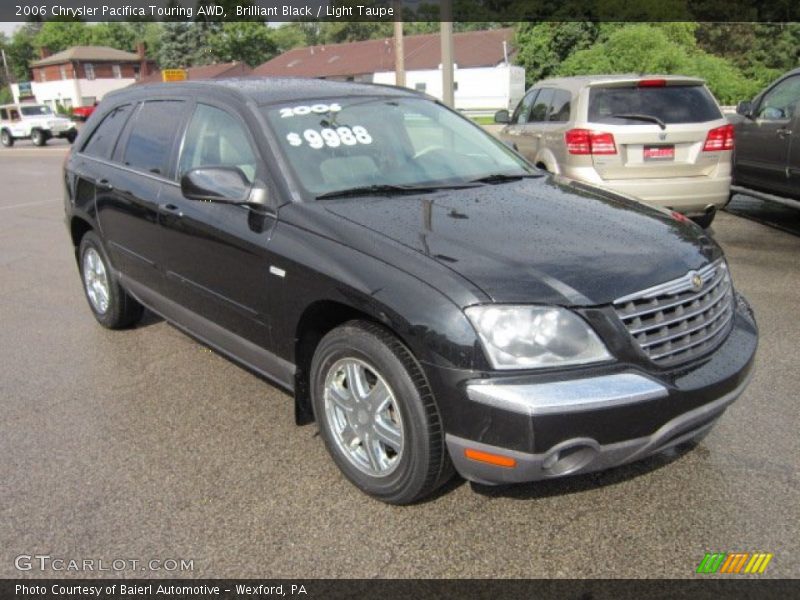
(764, 141)
(128, 187)
(660, 127)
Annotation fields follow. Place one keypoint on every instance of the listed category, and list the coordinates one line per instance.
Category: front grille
(675, 322)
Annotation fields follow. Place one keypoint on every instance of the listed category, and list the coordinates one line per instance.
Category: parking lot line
(24, 204)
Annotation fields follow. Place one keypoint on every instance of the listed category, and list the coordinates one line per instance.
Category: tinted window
(671, 104)
(540, 107)
(524, 107)
(559, 106)
(152, 134)
(102, 141)
(780, 102)
(215, 137)
(3, 114)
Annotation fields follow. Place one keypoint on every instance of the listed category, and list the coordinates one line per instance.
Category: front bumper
(542, 426)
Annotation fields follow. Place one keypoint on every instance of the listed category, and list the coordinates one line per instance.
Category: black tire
(6, 138)
(122, 309)
(38, 137)
(705, 220)
(423, 464)
(71, 137)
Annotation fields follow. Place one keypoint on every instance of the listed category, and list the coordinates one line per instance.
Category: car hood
(538, 240)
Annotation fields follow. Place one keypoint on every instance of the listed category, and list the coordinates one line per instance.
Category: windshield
(344, 143)
(35, 111)
(669, 104)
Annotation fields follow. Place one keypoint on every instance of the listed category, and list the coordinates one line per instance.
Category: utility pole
(399, 50)
(446, 32)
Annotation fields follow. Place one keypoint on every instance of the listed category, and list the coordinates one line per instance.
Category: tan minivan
(661, 139)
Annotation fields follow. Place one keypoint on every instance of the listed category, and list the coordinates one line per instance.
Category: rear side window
(671, 104)
(541, 106)
(152, 135)
(3, 114)
(559, 106)
(102, 141)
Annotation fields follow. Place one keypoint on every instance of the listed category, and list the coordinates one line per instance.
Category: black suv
(767, 155)
(428, 296)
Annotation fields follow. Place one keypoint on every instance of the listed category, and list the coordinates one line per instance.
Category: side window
(559, 106)
(540, 107)
(215, 138)
(104, 137)
(3, 114)
(780, 102)
(13, 114)
(524, 107)
(152, 134)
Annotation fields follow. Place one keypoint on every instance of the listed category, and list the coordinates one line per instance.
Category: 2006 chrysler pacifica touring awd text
(429, 297)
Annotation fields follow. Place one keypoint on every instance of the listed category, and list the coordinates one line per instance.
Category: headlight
(527, 337)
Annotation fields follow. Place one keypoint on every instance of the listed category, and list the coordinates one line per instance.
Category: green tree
(60, 35)
(114, 34)
(291, 35)
(246, 41)
(542, 47)
(656, 48)
(21, 50)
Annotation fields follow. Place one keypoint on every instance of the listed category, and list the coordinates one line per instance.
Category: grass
(485, 120)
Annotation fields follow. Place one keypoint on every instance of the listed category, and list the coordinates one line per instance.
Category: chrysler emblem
(697, 281)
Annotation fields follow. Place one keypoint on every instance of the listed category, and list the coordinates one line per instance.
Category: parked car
(661, 139)
(36, 122)
(427, 295)
(767, 156)
(82, 113)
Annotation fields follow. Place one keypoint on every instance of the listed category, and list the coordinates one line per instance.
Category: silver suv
(661, 139)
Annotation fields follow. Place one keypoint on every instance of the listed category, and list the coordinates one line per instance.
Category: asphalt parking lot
(143, 444)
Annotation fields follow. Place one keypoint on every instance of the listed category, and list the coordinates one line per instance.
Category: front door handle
(105, 185)
(783, 131)
(172, 209)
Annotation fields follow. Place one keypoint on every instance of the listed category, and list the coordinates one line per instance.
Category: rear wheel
(6, 138)
(38, 137)
(377, 414)
(110, 304)
(71, 136)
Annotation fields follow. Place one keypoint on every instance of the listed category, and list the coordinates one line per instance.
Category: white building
(80, 76)
(485, 80)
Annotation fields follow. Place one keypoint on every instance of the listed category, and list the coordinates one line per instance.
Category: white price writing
(332, 138)
(307, 110)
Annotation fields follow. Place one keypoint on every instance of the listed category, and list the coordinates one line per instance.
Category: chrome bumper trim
(691, 425)
(561, 397)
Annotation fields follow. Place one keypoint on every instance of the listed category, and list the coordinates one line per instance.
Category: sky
(8, 28)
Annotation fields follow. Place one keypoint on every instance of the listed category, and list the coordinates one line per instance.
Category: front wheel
(6, 138)
(71, 136)
(110, 304)
(38, 137)
(377, 415)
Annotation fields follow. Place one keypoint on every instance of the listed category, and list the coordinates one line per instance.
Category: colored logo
(734, 563)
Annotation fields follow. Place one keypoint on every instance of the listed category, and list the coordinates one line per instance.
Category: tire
(6, 138)
(415, 462)
(38, 137)
(705, 220)
(114, 309)
(71, 137)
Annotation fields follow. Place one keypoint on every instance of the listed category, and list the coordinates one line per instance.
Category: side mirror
(502, 116)
(745, 109)
(223, 184)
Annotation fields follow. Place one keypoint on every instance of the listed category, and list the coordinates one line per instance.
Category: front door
(215, 255)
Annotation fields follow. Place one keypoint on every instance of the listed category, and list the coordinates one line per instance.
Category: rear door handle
(105, 185)
(172, 209)
(784, 131)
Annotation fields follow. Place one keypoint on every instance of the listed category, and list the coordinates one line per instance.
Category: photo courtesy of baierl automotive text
(294, 292)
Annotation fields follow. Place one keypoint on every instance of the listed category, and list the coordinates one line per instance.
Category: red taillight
(719, 138)
(584, 141)
(652, 82)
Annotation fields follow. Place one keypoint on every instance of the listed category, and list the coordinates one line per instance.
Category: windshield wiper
(638, 117)
(504, 177)
(388, 189)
